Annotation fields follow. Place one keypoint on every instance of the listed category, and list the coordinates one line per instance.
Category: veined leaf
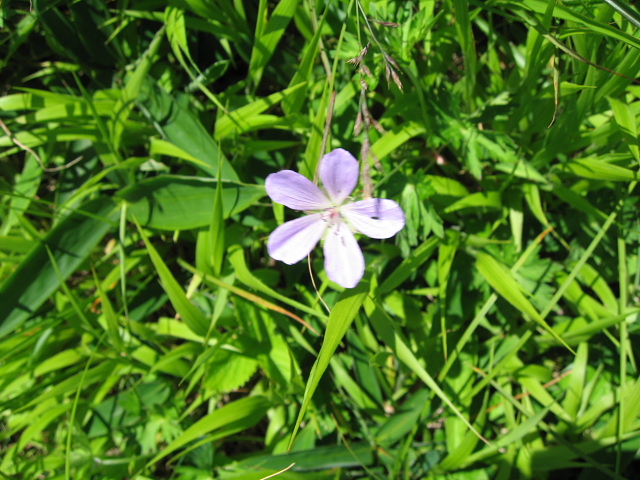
(171, 202)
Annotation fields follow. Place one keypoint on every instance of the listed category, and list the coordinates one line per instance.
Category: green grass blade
(340, 319)
(595, 169)
(190, 314)
(71, 241)
(240, 268)
(628, 124)
(268, 36)
(247, 117)
(390, 335)
(626, 10)
(506, 285)
(234, 416)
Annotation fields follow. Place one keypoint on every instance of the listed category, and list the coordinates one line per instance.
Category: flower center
(331, 215)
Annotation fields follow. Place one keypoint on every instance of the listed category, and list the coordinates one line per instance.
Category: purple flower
(374, 217)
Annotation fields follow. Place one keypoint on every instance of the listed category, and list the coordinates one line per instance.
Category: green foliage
(145, 333)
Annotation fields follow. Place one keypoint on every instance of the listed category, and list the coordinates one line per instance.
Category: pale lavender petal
(375, 217)
(339, 174)
(343, 260)
(295, 191)
(292, 241)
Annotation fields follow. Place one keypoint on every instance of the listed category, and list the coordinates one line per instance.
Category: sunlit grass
(145, 333)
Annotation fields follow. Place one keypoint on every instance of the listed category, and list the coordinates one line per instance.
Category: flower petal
(339, 174)
(343, 260)
(292, 241)
(295, 191)
(375, 217)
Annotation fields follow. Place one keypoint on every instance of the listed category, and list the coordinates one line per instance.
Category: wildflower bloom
(374, 217)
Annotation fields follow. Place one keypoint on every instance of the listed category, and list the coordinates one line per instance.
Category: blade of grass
(341, 316)
(71, 242)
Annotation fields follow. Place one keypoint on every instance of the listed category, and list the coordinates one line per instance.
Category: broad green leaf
(183, 129)
(534, 387)
(228, 371)
(67, 112)
(16, 244)
(171, 202)
(575, 386)
(42, 136)
(58, 361)
(593, 279)
(581, 330)
(344, 380)
(170, 363)
(521, 169)
(628, 409)
(35, 100)
(162, 147)
(532, 197)
(23, 193)
(513, 201)
(576, 201)
(70, 242)
(404, 419)
(446, 186)
(459, 454)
